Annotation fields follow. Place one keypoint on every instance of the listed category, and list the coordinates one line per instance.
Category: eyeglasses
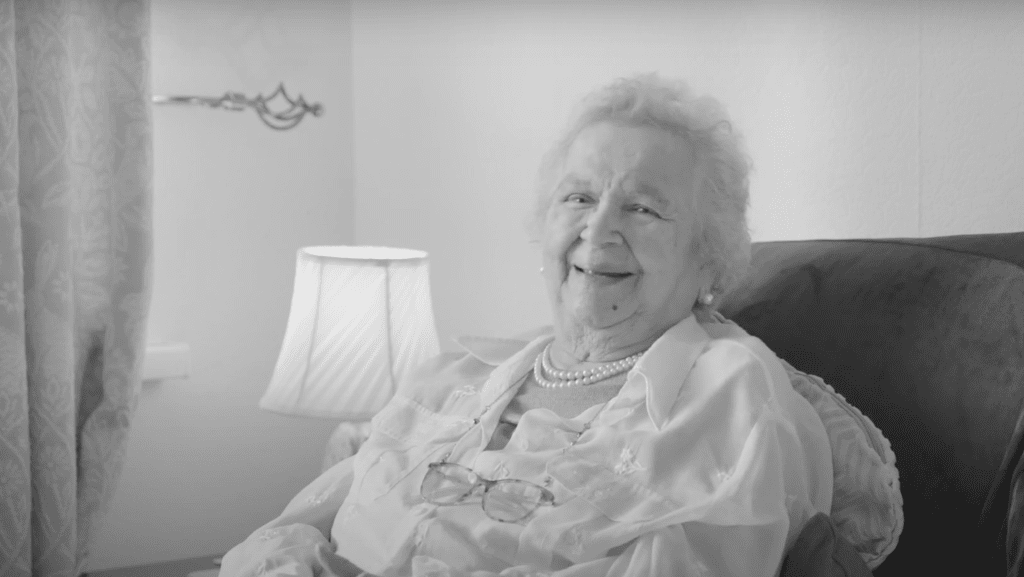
(505, 500)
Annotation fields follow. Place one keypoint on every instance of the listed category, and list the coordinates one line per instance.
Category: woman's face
(618, 232)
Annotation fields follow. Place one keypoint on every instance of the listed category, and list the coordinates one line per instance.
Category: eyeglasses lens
(447, 483)
(511, 500)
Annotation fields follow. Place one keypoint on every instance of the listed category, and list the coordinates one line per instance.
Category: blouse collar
(660, 372)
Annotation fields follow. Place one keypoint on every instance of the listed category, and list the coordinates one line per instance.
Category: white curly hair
(721, 236)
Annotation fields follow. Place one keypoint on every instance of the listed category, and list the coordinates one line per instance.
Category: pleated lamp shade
(361, 321)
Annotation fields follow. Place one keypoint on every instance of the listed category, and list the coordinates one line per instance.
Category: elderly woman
(645, 436)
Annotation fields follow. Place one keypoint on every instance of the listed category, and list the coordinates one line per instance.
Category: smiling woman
(646, 436)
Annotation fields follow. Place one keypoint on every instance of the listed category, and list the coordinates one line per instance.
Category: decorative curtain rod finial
(236, 101)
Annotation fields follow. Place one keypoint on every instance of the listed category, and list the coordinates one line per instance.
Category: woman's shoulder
(435, 380)
(731, 349)
(466, 369)
(727, 336)
(725, 333)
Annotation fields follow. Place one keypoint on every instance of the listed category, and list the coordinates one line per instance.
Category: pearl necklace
(549, 377)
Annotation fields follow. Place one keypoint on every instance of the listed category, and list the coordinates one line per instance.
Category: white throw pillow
(867, 506)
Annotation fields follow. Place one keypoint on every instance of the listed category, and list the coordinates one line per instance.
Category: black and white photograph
(511, 288)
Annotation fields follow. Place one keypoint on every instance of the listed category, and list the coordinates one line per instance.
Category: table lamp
(361, 320)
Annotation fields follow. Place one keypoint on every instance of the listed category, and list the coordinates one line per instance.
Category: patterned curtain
(75, 245)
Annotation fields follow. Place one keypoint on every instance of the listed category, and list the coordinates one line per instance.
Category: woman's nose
(603, 225)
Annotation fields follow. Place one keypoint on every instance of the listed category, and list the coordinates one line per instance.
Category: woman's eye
(641, 209)
(577, 198)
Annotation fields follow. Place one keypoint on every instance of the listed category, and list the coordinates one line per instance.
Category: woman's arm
(296, 542)
(689, 549)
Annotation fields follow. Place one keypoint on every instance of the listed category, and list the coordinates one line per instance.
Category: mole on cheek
(615, 307)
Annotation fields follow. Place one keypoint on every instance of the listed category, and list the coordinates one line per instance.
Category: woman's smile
(601, 274)
(588, 280)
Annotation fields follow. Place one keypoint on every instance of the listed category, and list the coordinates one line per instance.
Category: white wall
(233, 202)
(863, 119)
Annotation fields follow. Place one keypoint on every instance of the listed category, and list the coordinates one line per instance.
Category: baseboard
(180, 568)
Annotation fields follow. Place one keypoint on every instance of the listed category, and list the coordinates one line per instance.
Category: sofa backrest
(926, 337)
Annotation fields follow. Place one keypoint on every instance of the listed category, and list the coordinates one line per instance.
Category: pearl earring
(707, 298)
(541, 270)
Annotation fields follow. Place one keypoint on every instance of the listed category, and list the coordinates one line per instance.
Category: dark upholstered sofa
(926, 337)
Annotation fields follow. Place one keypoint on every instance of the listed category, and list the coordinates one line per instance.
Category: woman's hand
(290, 551)
(332, 564)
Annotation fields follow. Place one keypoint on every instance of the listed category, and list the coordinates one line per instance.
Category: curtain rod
(236, 101)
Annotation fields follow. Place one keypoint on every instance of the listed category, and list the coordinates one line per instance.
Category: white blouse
(705, 463)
